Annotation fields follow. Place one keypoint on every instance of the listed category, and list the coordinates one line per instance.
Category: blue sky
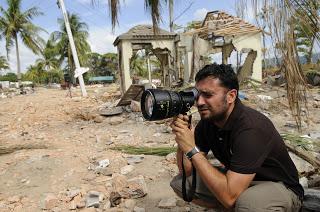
(132, 12)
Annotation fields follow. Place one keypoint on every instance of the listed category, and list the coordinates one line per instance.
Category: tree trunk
(309, 59)
(18, 59)
(171, 15)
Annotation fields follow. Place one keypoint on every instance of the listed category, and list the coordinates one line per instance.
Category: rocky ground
(56, 151)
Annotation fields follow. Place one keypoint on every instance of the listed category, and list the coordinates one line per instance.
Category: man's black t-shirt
(249, 143)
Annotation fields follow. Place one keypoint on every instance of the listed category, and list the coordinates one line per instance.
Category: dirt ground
(48, 142)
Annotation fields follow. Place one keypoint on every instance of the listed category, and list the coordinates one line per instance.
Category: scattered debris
(114, 163)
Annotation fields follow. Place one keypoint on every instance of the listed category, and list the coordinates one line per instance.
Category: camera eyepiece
(159, 104)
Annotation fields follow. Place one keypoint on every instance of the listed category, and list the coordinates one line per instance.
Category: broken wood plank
(133, 93)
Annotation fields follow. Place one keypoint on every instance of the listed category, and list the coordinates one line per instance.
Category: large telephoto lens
(161, 104)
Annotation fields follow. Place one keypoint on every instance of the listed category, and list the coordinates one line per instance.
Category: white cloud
(93, 2)
(143, 22)
(85, 1)
(128, 3)
(101, 40)
(200, 14)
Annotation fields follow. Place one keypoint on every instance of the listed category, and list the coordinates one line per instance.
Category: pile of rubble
(10, 89)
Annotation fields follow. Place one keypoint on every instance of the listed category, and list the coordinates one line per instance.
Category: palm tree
(16, 23)
(80, 35)
(3, 63)
(306, 32)
(49, 58)
(138, 65)
(33, 74)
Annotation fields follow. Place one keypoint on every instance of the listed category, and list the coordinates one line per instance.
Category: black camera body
(159, 104)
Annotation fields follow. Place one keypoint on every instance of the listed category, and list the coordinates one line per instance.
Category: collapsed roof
(220, 24)
(144, 32)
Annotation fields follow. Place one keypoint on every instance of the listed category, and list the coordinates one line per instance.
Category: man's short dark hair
(222, 72)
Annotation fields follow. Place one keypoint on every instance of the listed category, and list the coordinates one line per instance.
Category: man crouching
(258, 174)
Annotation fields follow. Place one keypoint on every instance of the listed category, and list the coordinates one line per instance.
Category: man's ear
(232, 95)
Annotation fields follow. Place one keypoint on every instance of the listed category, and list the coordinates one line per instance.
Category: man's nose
(200, 100)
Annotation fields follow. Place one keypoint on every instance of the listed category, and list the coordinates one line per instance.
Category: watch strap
(194, 151)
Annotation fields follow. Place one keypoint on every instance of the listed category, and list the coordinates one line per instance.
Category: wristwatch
(193, 151)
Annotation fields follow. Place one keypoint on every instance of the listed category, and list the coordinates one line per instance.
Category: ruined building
(182, 55)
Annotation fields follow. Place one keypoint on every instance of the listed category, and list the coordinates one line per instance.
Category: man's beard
(216, 116)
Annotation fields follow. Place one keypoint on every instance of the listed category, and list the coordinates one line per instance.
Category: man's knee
(266, 196)
(176, 185)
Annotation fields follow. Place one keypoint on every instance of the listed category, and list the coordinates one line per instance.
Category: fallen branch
(304, 155)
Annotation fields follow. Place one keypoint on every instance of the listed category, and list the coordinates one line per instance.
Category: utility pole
(79, 70)
(171, 15)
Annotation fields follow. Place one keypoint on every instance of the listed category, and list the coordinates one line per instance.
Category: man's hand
(184, 135)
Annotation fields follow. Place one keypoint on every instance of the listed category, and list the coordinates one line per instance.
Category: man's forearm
(187, 164)
(226, 187)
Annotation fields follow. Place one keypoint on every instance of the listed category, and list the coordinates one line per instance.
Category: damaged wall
(251, 41)
(195, 47)
(187, 42)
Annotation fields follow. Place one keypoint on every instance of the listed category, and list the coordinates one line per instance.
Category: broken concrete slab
(170, 202)
(93, 199)
(126, 169)
(134, 159)
(49, 201)
(111, 111)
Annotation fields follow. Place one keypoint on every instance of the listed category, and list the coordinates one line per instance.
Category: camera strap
(188, 197)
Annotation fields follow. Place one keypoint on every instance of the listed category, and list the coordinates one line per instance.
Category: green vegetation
(138, 66)
(38, 76)
(102, 65)
(160, 151)
(11, 77)
(306, 32)
(3, 63)
(299, 141)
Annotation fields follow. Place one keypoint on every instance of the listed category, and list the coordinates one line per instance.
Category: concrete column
(226, 52)
(186, 69)
(149, 68)
(125, 65)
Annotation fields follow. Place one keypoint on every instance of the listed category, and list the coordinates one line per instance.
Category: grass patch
(160, 151)
(10, 149)
(299, 141)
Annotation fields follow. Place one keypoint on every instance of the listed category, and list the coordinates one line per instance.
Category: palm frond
(114, 9)
(154, 6)
(281, 16)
